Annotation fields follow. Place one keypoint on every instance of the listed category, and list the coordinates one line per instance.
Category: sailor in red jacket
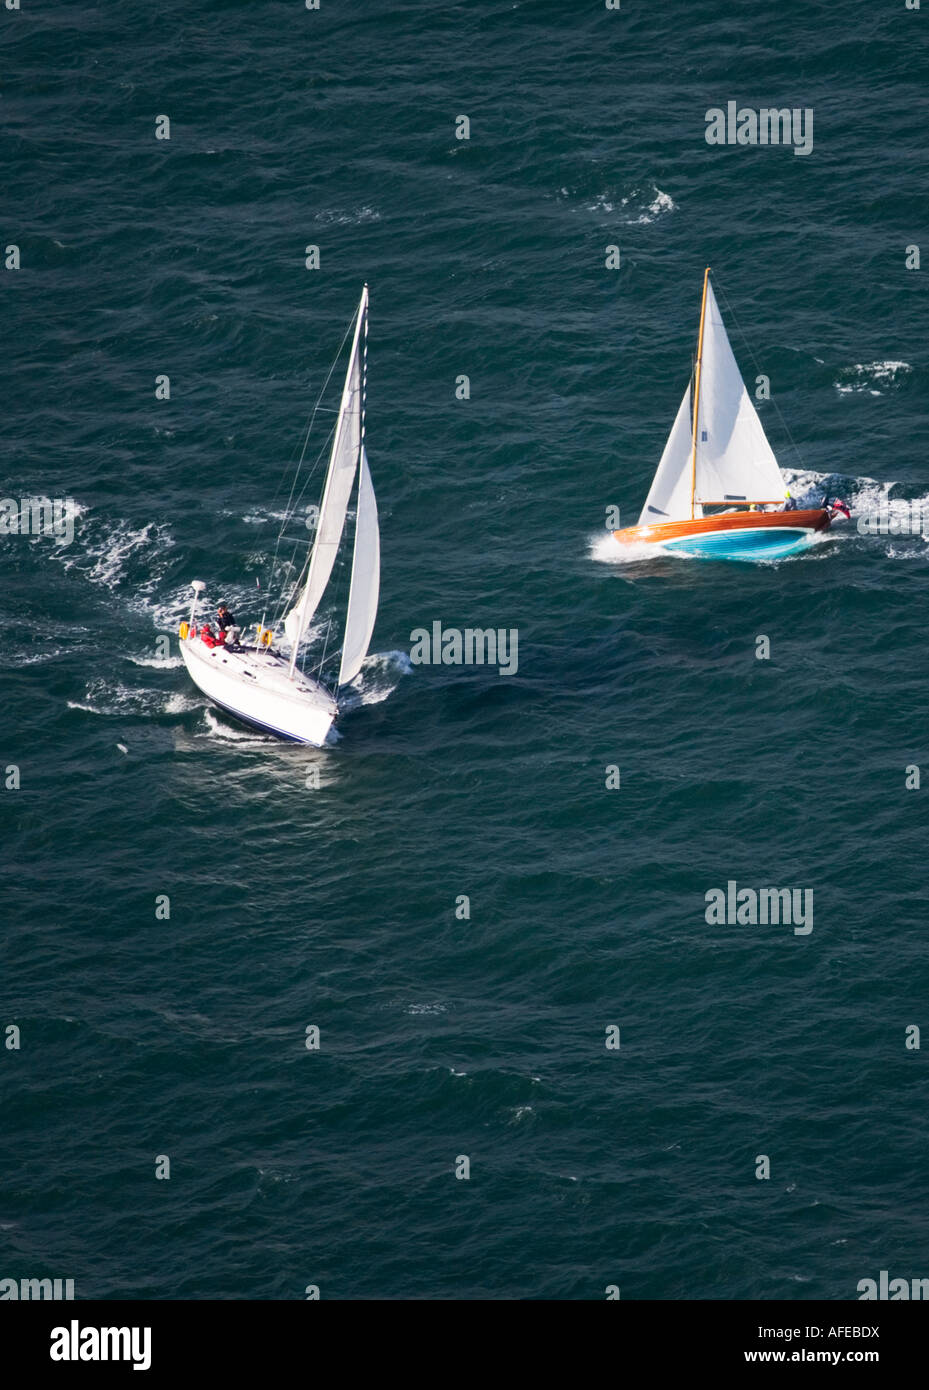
(206, 635)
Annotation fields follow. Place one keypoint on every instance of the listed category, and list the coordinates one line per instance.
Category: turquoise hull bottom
(767, 543)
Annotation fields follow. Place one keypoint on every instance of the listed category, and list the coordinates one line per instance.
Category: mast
(364, 370)
(693, 470)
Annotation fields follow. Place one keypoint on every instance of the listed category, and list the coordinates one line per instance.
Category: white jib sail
(735, 462)
(366, 579)
(342, 465)
(669, 495)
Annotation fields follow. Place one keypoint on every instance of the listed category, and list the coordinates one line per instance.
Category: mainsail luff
(693, 472)
(343, 465)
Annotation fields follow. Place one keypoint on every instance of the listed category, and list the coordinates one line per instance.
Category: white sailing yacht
(259, 684)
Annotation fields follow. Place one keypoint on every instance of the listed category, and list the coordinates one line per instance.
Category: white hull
(255, 686)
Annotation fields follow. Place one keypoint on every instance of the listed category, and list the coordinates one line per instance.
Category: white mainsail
(669, 495)
(735, 462)
(343, 463)
(366, 578)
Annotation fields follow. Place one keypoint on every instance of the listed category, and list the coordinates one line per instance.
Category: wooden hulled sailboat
(257, 683)
(718, 491)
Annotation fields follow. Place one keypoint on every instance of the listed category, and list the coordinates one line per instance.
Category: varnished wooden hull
(733, 535)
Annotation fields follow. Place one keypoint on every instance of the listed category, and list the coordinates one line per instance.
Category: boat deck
(262, 667)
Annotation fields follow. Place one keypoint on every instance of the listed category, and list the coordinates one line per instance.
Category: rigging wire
(731, 313)
(288, 510)
(293, 502)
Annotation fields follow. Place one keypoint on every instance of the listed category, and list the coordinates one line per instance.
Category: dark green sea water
(335, 907)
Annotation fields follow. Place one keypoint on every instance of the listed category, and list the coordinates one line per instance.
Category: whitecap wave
(103, 551)
(863, 376)
(166, 613)
(229, 733)
(259, 515)
(661, 204)
(157, 663)
(32, 658)
(102, 697)
(378, 679)
(112, 555)
(911, 552)
(179, 703)
(340, 218)
(865, 496)
(639, 207)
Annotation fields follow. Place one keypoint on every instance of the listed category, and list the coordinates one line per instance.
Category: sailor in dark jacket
(227, 626)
